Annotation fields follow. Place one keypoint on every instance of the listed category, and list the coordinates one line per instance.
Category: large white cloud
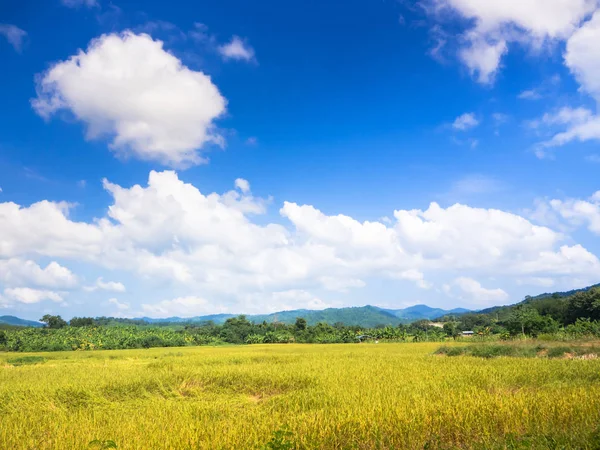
(111, 286)
(578, 212)
(17, 272)
(495, 23)
(29, 295)
(128, 87)
(213, 249)
(582, 57)
(474, 292)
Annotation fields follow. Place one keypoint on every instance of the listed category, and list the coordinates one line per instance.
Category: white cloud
(580, 212)
(473, 292)
(582, 125)
(582, 56)
(79, 3)
(530, 94)
(112, 286)
(483, 59)
(242, 185)
(496, 23)
(14, 35)
(182, 307)
(465, 122)
(15, 272)
(29, 296)
(120, 306)
(127, 86)
(237, 49)
(168, 231)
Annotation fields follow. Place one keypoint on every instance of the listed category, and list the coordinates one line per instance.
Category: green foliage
(236, 330)
(54, 322)
(81, 322)
(301, 324)
(26, 360)
(98, 444)
(281, 441)
(519, 350)
(584, 305)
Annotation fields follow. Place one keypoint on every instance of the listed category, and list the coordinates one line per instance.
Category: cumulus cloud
(494, 24)
(128, 87)
(580, 212)
(465, 122)
(182, 306)
(582, 57)
(29, 295)
(120, 306)
(169, 231)
(474, 292)
(18, 272)
(242, 185)
(237, 49)
(14, 35)
(112, 286)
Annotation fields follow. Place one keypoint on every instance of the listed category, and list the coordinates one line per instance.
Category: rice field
(367, 396)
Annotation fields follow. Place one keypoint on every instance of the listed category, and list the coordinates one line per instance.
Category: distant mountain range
(365, 316)
(15, 321)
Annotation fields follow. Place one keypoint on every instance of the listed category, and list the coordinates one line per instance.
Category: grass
(25, 360)
(521, 350)
(392, 396)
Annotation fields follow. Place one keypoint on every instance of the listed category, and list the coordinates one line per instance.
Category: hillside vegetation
(558, 314)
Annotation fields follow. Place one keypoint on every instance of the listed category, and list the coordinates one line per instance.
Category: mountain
(15, 321)
(535, 299)
(365, 316)
(216, 318)
(420, 312)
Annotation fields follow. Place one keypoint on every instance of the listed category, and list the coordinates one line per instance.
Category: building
(468, 333)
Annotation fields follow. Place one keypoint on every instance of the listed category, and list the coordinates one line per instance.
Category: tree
(451, 329)
(528, 321)
(585, 305)
(301, 324)
(54, 322)
(81, 322)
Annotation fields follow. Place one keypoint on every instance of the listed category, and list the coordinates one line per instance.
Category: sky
(188, 158)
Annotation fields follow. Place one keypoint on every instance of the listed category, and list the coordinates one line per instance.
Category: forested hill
(365, 316)
(546, 313)
(15, 321)
(499, 310)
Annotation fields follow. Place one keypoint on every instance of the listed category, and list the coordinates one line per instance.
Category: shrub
(26, 360)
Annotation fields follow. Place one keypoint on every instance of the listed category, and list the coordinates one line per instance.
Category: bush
(26, 360)
(559, 352)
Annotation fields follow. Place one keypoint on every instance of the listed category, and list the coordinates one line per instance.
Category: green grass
(525, 349)
(355, 396)
(25, 360)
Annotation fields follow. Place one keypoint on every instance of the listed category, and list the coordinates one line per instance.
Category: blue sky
(203, 157)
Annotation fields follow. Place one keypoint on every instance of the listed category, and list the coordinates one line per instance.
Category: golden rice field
(386, 396)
